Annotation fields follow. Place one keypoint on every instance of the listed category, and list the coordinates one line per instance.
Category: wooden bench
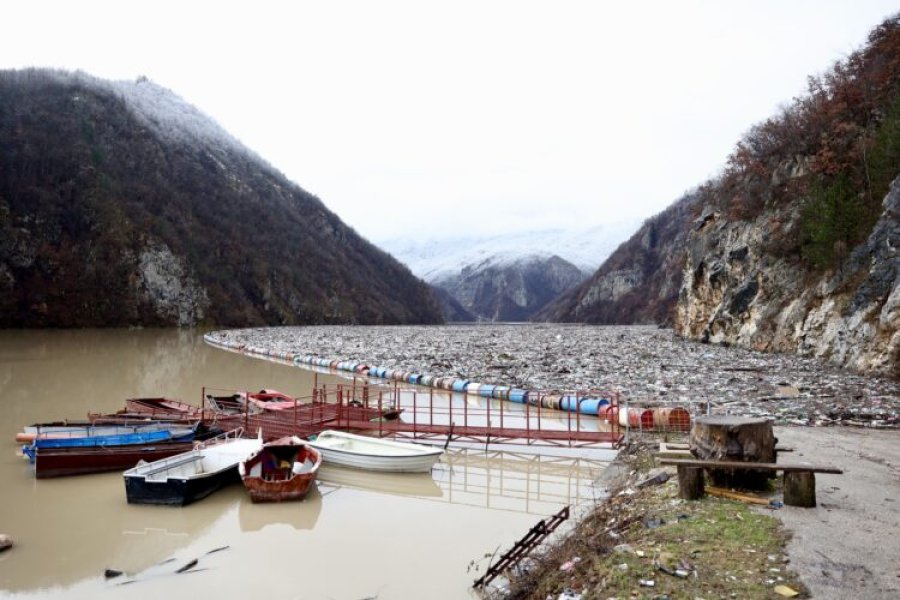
(799, 479)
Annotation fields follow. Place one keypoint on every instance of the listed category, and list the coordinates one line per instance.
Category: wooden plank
(750, 466)
(722, 493)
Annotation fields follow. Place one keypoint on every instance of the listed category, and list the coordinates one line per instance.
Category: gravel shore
(645, 364)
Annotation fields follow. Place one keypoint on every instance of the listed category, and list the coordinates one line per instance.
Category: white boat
(188, 477)
(374, 454)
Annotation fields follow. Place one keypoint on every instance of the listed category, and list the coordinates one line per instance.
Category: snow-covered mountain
(437, 259)
(509, 277)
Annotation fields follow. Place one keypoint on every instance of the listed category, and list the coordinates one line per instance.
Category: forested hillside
(120, 204)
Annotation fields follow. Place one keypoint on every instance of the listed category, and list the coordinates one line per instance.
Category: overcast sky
(435, 118)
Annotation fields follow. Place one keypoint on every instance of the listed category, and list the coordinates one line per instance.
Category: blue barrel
(414, 378)
(459, 385)
(520, 396)
(569, 402)
(486, 390)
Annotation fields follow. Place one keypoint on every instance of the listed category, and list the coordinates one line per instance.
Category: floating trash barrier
(570, 402)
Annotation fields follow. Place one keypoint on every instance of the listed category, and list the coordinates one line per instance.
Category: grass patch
(712, 548)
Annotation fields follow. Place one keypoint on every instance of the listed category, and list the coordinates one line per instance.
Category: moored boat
(190, 476)
(110, 437)
(61, 462)
(162, 406)
(284, 469)
(374, 454)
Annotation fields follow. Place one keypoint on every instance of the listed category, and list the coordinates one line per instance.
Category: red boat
(59, 462)
(281, 470)
(161, 406)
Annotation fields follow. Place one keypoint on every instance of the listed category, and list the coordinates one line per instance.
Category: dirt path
(849, 546)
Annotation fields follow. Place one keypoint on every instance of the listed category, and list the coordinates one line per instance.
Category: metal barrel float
(673, 418)
(520, 396)
(486, 390)
(459, 385)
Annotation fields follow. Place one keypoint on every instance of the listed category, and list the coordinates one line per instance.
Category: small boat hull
(374, 454)
(178, 491)
(282, 470)
(185, 478)
(61, 462)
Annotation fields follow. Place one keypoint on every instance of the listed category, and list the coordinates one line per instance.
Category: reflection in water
(299, 515)
(418, 485)
(497, 480)
(512, 481)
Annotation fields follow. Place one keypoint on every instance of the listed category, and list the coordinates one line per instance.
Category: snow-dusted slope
(437, 259)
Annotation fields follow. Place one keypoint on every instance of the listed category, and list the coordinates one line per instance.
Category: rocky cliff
(793, 248)
(736, 291)
(121, 204)
(502, 290)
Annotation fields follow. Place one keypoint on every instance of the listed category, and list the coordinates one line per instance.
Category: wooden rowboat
(284, 469)
(374, 454)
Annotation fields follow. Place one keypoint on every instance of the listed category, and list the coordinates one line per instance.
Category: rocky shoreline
(645, 364)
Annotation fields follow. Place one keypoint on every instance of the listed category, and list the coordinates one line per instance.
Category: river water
(357, 535)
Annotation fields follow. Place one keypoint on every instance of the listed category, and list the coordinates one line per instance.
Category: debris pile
(645, 364)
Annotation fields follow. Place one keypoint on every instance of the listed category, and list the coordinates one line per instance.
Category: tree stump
(800, 489)
(690, 483)
(742, 439)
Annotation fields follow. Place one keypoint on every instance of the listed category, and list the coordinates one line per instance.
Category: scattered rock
(5, 542)
(661, 477)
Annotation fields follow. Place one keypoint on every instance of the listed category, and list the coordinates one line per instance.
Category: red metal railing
(401, 412)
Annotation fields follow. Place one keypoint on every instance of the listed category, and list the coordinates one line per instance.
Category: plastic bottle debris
(570, 564)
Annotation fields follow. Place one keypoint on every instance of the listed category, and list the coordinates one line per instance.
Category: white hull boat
(185, 478)
(374, 454)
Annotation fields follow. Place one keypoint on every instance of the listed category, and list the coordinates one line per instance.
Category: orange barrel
(673, 418)
(609, 413)
(647, 419)
(679, 419)
(447, 383)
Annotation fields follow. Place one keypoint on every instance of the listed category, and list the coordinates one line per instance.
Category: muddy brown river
(357, 535)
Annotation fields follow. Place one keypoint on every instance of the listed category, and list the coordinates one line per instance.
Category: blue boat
(130, 435)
